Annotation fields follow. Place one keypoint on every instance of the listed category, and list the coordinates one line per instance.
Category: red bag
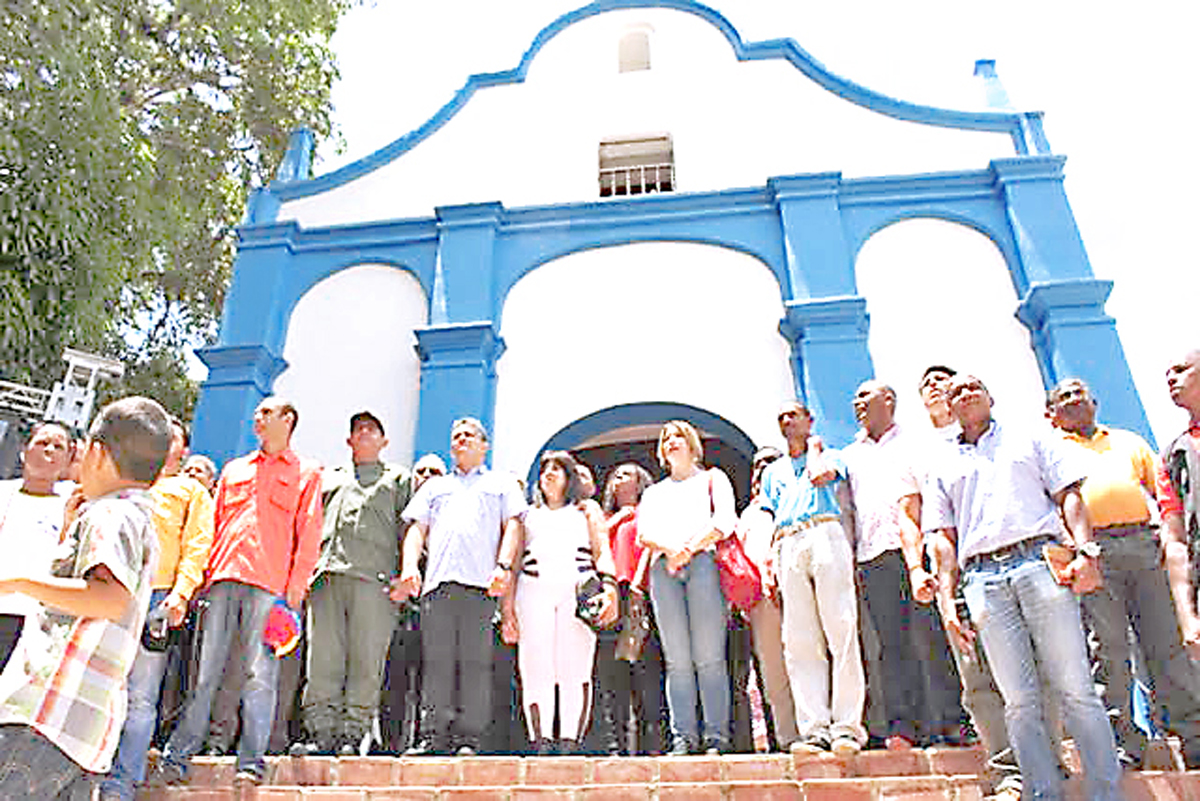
(741, 583)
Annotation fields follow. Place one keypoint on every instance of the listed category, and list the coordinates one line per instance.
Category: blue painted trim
(1025, 129)
(238, 366)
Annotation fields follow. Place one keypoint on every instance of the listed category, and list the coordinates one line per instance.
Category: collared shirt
(1121, 470)
(791, 497)
(183, 518)
(464, 514)
(66, 677)
(268, 522)
(362, 532)
(878, 471)
(1169, 501)
(998, 491)
(29, 528)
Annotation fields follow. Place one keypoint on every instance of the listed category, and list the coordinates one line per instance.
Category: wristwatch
(1090, 549)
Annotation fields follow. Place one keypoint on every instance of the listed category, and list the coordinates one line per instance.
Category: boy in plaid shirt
(62, 696)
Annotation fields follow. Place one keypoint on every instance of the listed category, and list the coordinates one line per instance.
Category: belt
(1012, 551)
(1123, 529)
(802, 526)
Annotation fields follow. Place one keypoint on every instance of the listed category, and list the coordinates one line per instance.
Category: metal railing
(28, 402)
(637, 179)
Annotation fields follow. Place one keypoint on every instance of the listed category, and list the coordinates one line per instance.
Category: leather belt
(803, 525)
(1012, 551)
(1123, 529)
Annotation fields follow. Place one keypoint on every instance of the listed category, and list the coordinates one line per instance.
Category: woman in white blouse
(564, 538)
(680, 520)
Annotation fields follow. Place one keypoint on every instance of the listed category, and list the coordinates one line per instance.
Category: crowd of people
(931, 587)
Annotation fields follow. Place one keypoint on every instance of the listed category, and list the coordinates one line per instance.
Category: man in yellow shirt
(1118, 493)
(183, 518)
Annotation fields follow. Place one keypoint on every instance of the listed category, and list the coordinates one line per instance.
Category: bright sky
(1110, 78)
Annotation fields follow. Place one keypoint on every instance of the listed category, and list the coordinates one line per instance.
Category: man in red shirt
(1179, 500)
(267, 538)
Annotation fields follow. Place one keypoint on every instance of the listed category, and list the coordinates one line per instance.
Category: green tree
(131, 132)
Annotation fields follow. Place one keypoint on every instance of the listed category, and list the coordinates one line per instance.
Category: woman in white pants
(564, 539)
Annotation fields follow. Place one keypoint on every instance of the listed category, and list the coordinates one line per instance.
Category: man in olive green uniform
(350, 617)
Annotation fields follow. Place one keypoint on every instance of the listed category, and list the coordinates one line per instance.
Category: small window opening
(637, 166)
(634, 51)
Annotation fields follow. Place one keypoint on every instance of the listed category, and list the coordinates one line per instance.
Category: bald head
(1183, 382)
(875, 407)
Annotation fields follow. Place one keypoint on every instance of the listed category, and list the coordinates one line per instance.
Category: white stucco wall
(733, 124)
(940, 293)
(350, 348)
(666, 322)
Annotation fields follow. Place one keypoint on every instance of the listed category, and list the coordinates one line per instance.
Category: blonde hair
(689, 434)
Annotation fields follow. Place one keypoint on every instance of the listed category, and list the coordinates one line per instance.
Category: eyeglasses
(428, 471)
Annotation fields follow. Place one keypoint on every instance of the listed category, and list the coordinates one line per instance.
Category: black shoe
(167, 774)
(246, 777)
(682, 746)
(428, 747)
(714, 746)
(302, 749)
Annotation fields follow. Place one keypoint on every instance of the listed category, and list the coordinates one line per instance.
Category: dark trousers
(457, 651)
(506, 732)
(32, 767)
(920, 686)
(10, 633)
(629, 694)
(400, 698)
(1135, 593)
(739, 649)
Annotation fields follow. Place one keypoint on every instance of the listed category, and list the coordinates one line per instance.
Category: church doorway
(629, 433)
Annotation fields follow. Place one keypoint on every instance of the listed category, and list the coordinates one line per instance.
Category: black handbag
(589, 598)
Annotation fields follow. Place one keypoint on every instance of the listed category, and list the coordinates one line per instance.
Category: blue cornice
(1025, 129)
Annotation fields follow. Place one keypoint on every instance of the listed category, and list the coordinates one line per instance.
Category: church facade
(649, 217)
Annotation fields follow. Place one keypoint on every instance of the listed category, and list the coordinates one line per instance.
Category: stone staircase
(934, 774)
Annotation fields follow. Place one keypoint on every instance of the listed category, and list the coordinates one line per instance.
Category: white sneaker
(809, 746)
(846, 746)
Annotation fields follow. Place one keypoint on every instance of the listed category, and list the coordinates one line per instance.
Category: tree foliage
(131, 132)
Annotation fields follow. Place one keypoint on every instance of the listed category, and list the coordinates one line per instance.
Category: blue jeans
(145, 681)
(1030, 627)
(690, 611)
(32, 767)
(232, 607)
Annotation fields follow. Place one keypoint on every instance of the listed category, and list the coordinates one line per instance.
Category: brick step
(1147, 786)
(935, 774)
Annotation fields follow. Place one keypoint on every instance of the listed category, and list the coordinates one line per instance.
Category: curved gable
(767, 108)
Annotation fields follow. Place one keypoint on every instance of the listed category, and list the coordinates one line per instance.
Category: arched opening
(349, 348)
(939, 292)
(629, 433)
(652, 322)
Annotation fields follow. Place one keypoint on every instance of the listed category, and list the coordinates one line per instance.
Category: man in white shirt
(31, 516)
(920, 687)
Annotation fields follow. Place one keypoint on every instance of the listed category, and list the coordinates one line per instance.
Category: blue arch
(649, 413)
(1025, 129)
(807, 229)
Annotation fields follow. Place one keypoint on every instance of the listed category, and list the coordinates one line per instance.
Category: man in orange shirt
(268, 536)
(1122, 470)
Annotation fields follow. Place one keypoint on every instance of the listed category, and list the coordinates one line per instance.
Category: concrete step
(935, 774)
